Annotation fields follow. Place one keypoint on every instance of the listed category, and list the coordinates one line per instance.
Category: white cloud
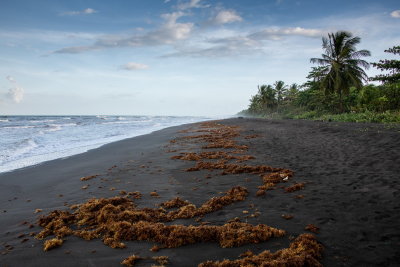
(224, 47)
(395, 14)
(134, 66)
(10, 79)
(191, 4)
(16, 94)
(236, 44)
(89, 11)
(169, 32)
(86, 11)
(275, 33)
(75, 49)
(226, 16)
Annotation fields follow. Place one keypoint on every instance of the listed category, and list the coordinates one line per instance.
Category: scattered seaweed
(211, 155)
(287, 216)
(52, 243)
(89, 177)
(175, 203)
(303, 251)
(154, 194)
(312, 228)
(260, 192)
(294, 187)
(130, 261)
(170, 236)
(135, 195)
(155, 248)
(162, 260)
(232, 168)
(251, 136)
(117, 219)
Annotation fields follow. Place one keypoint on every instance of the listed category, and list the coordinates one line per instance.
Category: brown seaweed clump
(89, 177)
(233, 168)
(162, 260)
(227, 235)
(251, 136)
(312, 228)
(287, 216)
(303, 251)
(170, 236)
(271, 179)
(154, 194)
(135, 195)
(218, 136)
(130, 261)
(52, 243)
(117, 219)
(175, 203)
(192, 156)
(294, 187)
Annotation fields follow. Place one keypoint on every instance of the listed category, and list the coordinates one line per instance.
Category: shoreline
(38, 159)
(338, 162)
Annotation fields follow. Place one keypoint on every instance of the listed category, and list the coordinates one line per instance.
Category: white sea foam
(19, 127)
(29, 140)
(42, 121)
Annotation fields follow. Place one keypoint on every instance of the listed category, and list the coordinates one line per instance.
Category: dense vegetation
(337, 89)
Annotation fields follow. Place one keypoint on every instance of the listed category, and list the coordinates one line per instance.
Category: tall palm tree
(280, 89)
(344, 68)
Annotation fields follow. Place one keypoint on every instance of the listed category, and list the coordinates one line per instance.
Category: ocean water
(29, 140)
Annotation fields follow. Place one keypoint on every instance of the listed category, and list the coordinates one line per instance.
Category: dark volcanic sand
(352, 187)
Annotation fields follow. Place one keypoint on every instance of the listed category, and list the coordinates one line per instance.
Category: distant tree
(390, 65)
(280, 90)
(342, 66)
(293, 91)
(255, 105)
(267, 95)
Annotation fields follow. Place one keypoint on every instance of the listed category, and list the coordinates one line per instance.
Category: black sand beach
(351, 193)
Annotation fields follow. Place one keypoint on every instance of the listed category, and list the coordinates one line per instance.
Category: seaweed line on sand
(303, 251)
(118, 219)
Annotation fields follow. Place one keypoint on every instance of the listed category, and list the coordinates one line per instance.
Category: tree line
(338, 85)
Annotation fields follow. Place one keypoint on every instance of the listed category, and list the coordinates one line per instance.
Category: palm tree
(280, 89)
(343, 66)
(292, 92)
(267, 96)
(255, 104)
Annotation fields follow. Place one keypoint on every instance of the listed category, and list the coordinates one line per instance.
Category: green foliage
(367, 116)
(379, 98)
(334, 90)
(392, 66)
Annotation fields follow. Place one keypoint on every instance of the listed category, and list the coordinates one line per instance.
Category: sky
(170, 57)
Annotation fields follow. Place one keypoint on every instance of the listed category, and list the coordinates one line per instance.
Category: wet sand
(351, 193)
